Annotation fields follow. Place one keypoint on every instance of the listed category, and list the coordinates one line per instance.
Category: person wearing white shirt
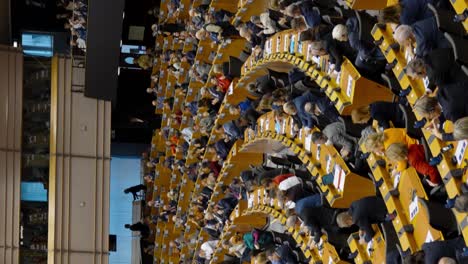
(209, 247)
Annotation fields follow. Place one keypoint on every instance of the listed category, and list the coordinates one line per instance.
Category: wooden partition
(11, 101)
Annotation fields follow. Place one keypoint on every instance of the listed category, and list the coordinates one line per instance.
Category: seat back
(440, 217)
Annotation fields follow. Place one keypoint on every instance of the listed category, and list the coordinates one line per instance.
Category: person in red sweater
(414, 156)
(222, 82)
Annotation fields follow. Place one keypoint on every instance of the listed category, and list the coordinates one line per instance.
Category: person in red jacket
(415, 157)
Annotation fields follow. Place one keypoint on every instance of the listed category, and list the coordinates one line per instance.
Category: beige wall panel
(84, 125)
(82, 206)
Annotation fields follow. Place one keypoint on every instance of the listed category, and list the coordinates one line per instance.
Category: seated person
(413, 156)
(406, 12)
(363, 213)
(379, 142)
(382, 112)
(437, 252)
(297, 107)
(423, 35)
(447, 106)
(438, 66)
(282, 255)
(335, 134)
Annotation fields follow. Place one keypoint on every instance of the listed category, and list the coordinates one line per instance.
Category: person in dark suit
(407, 12)
(298, 107)
(424, 35)
(135, 189)
(363, 213)
(435, 252)
(382, 112)
(141, 227)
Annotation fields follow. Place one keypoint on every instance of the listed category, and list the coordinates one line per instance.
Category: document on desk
(370, 247)
(349, 87)
(460, 151)
(329, 161)
(339, 177)
(429, 237)
(292, 44)
(308, 142)
(309, 52)
(268, 47)
(413, 208)
(278, 43)
(286, 43)
(231, 88)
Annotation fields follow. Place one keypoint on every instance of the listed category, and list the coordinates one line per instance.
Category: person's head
(460, 129)
(390, 14)
(318, 138)
(67, 25)
(415, 258)
(127, 226)
(317, 48)
(218, 68)
(344, 220)
(245, 32)
(361, 115)
(255, 20)
(151, 203)
(293, 10)
(213, 80)
(404, 35)
(291, 221)
(202, 34)
(234, 110)
(272, 255)
(289, 108)
(148, 178)
(309, 108)
(461, 203)
(149, 164)
(416, 68)
(154, 102)
(397, 152)
(447, 260)
(298, 24)
(375, 143)
(427, 107)
(261, 258)
(149, 90)
(340, 32)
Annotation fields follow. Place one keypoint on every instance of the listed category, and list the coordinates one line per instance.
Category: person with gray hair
(423, 35)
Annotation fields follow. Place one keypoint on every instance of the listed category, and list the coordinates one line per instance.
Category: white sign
(414, 208)
(429, 237)
(460, 151)
(292, 44)
(278, 44)
(309, 52)
(349, 88)
(396, 180)
(285, 44)
(308, 142)
(329, 161)
(339, 178)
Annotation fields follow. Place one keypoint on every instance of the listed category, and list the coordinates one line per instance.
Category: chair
(391, 238)
(235, 66)
(440, 218)
(280, 162)
(366, 24)
(459, 48)
(445, 21)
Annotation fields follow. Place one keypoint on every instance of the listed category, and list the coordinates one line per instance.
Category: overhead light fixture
(15, 44)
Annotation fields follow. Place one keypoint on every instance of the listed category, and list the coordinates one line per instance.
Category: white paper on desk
(396, 180)
(339, 177)
(338, 78)
(300, 133)
(330, 260)
(278, 44)
(290, 204)
(308, 142)
(316, 59)
(283, 127)
(299, 48)
(291, 128)
(292, 44)
(309, 52)
(370, 247)
(429, 237)
(408, 55)
(460, 151)
(261, 124)
(231, 88)
(318, 152)
(285, 44)
(349, 87)
(329, 161)
(413, 208)
(426, 83)
(267, 124)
